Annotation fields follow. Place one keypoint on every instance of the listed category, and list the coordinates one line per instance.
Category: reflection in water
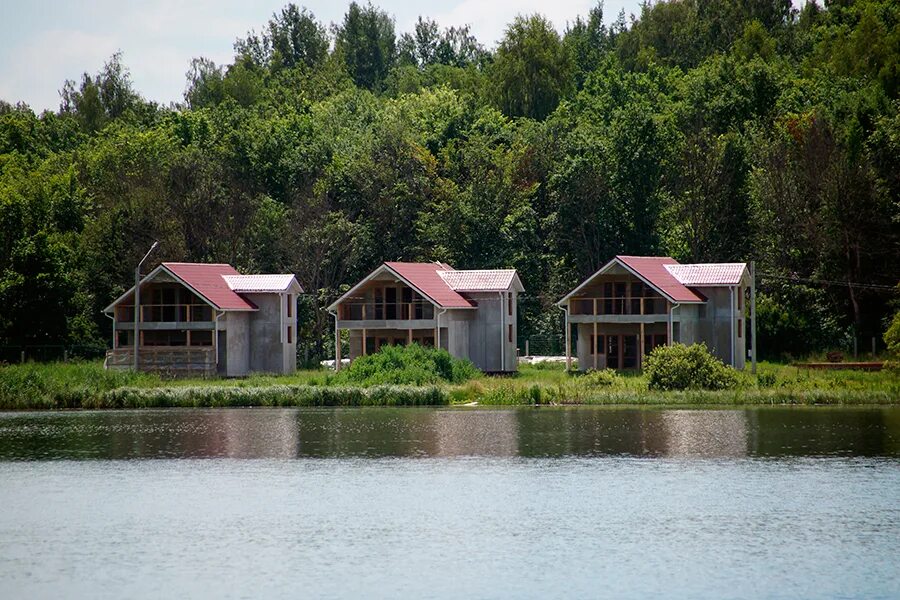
(705, 433)
(374, 432)
(487, 434)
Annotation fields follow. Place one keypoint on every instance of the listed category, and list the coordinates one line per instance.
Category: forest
(707, 130)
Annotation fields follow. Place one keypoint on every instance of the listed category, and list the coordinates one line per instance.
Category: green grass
(87, 385)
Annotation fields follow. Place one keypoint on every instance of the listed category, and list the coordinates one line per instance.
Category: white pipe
(437, 338)
(731, 323)
(670, 335)
(502, 333)
(216, 338)
(337, 341)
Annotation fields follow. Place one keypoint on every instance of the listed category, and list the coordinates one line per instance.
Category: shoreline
(303, 395)
(86, 385)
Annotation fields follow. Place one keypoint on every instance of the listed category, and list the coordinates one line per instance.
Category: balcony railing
(378, 311)
(156, 313)
(617, 306)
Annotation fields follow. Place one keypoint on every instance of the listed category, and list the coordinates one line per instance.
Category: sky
(43, 43)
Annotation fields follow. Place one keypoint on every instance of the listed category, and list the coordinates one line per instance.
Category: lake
(448, 503)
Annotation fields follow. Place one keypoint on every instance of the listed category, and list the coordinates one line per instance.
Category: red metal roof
(426, 278)
(653, 269)
(208, 281)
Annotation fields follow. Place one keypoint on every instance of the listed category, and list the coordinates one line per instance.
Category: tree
(99, 99)
(366, 43)
(292, 38)
(532, 69)
(708, 210)
(587, 41)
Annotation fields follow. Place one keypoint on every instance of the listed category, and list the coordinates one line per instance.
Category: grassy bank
(87, 385)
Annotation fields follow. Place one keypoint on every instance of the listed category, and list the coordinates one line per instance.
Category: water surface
(447, 503)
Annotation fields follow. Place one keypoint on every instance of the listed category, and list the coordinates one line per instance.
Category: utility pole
(137, 303)
(755, 347)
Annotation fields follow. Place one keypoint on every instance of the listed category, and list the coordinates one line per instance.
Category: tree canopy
(708, 131)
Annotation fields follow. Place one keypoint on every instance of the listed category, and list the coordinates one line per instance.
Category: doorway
(622, 351)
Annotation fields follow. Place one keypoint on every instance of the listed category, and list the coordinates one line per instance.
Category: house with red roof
(471, 314)
(207, 319)
(633, 304)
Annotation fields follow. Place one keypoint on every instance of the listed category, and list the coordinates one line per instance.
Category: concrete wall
(269, 350)
(457, 322)
(489, 345)
(714, 324)
(237, 341)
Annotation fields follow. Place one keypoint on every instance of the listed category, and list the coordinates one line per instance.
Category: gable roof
(652, 271)
(209, 282)
(442, 284)
(482, 280)
(708, 274)
(274, 283)
(426, 279)
(218, 284)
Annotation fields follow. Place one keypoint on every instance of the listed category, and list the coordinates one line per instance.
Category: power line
(853, 284)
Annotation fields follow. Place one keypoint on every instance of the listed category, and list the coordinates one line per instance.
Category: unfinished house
(207, 319)
(636, 303)
(471, 314)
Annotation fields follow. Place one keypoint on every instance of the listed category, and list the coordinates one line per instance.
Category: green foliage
(601, 378)
(680, 367)
(723, 131)
(532, 69)
(765, 380)
(407, 365)
(892, 335)
(367, 44)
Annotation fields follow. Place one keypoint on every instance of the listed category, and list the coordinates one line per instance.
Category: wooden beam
(337, 348)
(594, 344)
(641, 346)
(363, 342)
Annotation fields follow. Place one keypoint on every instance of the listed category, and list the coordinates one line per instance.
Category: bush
(407, 365)
(602, 378)
(766, 380)
(680, 367)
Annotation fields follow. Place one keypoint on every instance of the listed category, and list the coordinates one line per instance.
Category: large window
(598, 344)
(201, 338)
(653, 340)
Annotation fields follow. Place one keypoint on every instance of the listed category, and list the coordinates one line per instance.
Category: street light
(137, 302)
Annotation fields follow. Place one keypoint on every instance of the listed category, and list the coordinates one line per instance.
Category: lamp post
(137, 303)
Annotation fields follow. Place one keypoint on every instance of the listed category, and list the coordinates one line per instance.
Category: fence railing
(404, 311)
(541, 345)
(617, 306)
(50, 352)
(155, 313)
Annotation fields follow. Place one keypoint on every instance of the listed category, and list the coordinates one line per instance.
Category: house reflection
(475, 433)
(274, 436)
(705, 433)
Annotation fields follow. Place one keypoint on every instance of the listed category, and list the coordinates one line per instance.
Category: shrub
(602, 378)
(407, 365)
(680, 367)
(765, 380)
